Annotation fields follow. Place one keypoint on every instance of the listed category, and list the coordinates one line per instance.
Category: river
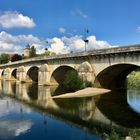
(28, 112)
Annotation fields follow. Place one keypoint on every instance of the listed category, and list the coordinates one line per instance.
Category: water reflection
(103, 112)
(133, 98)
(11, 127)
(116, 108)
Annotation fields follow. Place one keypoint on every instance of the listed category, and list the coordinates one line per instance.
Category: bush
(88, 84)
(4, 58)
(112, 136)
(72, 81)
(16, 57)
(135, 134)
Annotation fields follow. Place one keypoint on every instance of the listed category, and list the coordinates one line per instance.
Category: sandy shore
(87, 92)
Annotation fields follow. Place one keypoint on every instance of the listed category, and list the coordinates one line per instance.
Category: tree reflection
(114, 105)
(33, 91)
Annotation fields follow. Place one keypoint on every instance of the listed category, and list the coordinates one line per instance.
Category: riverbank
(87, 92)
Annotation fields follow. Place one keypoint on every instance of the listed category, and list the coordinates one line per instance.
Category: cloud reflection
(8, 106)
(12, 128)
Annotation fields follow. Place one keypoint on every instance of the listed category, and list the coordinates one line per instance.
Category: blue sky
(114, 22)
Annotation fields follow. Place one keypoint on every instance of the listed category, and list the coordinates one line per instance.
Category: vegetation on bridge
(4, 58)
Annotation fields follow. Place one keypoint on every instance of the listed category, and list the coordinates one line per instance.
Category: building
(26, 51)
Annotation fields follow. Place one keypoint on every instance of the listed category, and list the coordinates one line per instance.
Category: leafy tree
(72, 81)
(4, 58)
(133, 79)
(33, 52)
(47, 53)
(16, 57)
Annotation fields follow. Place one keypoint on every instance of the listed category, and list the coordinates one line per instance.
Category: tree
(32, 52)
(4, 58)
(16, 57)
(47, 53)
(72, 81)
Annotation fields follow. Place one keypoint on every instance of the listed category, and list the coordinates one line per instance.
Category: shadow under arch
(32, 73)
(14, 74)
(2, 73)
(114, 77)
(59, 74)
(115, 107)
(33, 92)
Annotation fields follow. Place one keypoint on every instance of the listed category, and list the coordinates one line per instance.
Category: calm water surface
(28, 112)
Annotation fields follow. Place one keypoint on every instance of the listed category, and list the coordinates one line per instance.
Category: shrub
(135, 134)
(112, 136)
(72, 81)
(88, 84)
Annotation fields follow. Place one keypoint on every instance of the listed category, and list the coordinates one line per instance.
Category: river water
(28, 112)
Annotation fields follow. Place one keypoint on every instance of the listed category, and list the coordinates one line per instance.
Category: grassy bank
(135, 134)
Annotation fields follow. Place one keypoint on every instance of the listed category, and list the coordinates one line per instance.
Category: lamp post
(86, 40)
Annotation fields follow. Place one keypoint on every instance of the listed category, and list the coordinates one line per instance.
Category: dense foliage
(16, 57)
(33, 52)
(47, 53)
(135, 134)
(72, 81)
(112, 136)
(4, 58)
(133, 79)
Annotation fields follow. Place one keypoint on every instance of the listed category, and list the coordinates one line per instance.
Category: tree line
(5, 57)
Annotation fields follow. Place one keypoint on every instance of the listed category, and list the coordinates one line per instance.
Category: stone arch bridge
(106, 67)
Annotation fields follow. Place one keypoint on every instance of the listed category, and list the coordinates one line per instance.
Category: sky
(61, 25)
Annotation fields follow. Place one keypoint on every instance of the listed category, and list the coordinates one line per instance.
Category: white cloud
(79, 13)
(97, 44)
(13, 19)
(75, 44)
(58, 46)
(138, 29)
(62, 30)
(15, 44)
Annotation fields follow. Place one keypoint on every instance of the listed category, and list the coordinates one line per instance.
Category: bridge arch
(32, 74)
(14, 74)
(58, 75)
(2, 74)
(114, 77)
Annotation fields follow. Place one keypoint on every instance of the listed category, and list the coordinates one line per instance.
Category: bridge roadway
(107, 68)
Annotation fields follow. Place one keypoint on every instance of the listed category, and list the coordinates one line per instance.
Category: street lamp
(86, 40)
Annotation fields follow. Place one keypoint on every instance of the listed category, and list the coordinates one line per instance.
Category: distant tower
(26, 51)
